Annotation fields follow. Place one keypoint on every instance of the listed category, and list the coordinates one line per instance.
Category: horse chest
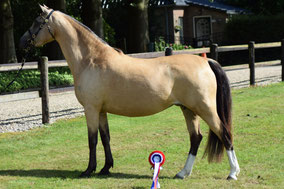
(88, 89)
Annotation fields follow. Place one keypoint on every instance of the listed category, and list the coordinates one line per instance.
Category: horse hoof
(85, 175)
(104, 172)
(179, 176)
(232, 177)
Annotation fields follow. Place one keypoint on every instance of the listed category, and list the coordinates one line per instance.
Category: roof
(215, 4)
(161, 2)
(219, 5)
(167, 2)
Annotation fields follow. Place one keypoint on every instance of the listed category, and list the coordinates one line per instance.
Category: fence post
(214, 51)
(44, 92)
(282, 58)
(251, 62)
(168, 51)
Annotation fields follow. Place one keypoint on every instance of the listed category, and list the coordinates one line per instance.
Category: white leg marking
(186, 171)
(235, 168)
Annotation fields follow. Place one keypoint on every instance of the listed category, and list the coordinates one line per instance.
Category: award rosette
(156, 159)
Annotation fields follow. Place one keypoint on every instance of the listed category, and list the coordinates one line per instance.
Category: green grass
(54, 156)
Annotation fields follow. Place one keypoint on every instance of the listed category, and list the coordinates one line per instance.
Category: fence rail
(213, 50)
(63, 63)
(31, 65)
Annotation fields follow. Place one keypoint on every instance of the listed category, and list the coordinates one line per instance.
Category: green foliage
(57, 79)
(40, 158)
(73, 8)
(109, 34)
(244, 28)
(260, 7)
(160, 45)
(30, 79)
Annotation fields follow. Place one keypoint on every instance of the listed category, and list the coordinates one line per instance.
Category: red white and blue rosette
(156, 159)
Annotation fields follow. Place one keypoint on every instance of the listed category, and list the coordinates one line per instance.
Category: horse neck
(78, 45)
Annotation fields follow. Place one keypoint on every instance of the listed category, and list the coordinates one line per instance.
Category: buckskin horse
(108, 81)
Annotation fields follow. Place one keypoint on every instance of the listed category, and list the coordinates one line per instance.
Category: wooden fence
(43, 64)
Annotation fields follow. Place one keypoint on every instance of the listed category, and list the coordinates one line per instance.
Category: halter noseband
(34, 35)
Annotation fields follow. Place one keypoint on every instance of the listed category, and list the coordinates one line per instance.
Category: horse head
(40, 32)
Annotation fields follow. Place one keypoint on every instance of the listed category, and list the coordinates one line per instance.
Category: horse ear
(45, 6)
(44, 9)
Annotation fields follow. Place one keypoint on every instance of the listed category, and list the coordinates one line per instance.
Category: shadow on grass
(64, 174)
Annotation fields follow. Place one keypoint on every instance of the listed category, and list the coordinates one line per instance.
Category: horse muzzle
(25, 43)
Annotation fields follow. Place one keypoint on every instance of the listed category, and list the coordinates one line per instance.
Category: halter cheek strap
(33, 36)
(48, 27)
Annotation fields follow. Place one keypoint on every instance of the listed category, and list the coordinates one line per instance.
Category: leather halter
(34, 35)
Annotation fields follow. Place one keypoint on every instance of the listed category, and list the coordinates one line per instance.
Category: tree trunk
(7, 46)
(138, 31)
(92, 16)
(52, 50)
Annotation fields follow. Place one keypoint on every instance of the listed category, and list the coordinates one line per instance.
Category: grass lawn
(54, 156)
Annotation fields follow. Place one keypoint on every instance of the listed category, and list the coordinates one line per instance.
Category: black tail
(215, 146)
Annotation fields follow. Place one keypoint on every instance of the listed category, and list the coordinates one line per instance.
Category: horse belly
(138, 104)
(139, 92)
(134, 107)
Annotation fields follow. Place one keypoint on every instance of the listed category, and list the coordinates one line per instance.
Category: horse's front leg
(92, 116)
(104, 132)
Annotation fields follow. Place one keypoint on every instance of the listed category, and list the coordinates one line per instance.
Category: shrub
(109, 34)
(30, 79)
(160, 45)
(244, 28)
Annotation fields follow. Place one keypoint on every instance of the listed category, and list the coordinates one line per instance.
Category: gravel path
(264, 75)
(26, 114)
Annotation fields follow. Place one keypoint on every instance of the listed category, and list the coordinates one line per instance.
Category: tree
(92, 16)
(129, 19)
(7, 46)
(138, 30)
(52, 50)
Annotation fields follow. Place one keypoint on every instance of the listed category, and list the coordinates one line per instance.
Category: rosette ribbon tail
(157, 169)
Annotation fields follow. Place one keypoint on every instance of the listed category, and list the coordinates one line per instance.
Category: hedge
(30, 79)
(244, 28)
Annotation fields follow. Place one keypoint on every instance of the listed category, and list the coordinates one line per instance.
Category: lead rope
(17, 75)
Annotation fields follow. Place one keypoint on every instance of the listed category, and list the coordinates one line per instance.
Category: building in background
(192, 22)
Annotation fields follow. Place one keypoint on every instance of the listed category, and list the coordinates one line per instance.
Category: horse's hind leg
(235, 168)
(104, 132)
(192, 121)
(217, 140)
